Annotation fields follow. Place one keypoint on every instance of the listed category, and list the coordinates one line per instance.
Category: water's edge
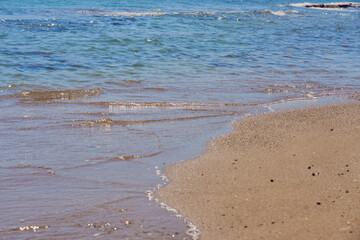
(194, 231)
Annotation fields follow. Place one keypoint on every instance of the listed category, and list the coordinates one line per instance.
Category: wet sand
(288, 175)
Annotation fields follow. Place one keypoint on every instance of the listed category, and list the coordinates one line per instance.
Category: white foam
(33, 228)
(268, 107)
(281, 13)
(193, 231)
(278, 13)
(298, 4)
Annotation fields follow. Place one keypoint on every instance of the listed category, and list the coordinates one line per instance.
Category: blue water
(95, 94)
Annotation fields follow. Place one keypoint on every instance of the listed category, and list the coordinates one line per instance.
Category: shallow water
(94, 95)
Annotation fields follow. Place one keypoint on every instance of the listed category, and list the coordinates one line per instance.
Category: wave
(192, 230)
(97, 114)
(112, 159)
(28, 53)
(280, 13)
(109, 121)
(125, 83)
(35, 24)
(7, 86)
(31, 228)
(37, 168)
(19, 85)
(171, 104)
(307, 89)
(155, 89)
(154, 13)
(46, 96)
(120, 13)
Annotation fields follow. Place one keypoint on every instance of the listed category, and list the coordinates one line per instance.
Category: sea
(98, 97)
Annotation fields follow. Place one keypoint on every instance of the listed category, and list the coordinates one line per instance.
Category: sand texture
(288, 175)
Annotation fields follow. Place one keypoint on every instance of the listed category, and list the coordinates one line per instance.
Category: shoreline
(283, 175)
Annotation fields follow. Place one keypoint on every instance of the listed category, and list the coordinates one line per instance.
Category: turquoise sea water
(95, 96)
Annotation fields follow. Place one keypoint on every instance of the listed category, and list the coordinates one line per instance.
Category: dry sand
(288, 175)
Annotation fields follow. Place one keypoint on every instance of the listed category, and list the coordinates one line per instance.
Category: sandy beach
(287, 175)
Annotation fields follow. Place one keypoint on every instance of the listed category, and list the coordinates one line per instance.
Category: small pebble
(318, 203)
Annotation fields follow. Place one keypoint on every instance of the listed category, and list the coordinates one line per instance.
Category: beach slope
(287, 175)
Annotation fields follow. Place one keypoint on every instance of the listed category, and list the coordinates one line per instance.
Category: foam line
(193, 231)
